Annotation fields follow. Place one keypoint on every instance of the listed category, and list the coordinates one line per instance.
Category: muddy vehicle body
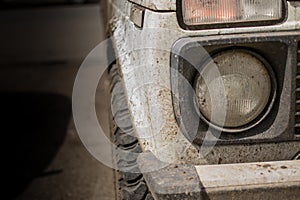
(206, 98)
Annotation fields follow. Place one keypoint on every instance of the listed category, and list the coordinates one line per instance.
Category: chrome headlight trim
(260, 117)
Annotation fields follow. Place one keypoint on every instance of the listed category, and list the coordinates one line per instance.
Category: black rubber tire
(129, 186)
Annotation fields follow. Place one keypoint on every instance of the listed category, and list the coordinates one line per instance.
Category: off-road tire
(129, 186)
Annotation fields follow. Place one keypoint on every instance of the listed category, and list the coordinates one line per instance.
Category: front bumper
(262, 180)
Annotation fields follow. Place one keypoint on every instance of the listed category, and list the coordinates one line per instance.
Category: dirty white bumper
(262, 180)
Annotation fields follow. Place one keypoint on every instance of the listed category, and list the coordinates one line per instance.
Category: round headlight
(236, 80)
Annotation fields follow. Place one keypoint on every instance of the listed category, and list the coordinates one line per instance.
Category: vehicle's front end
(213, 92)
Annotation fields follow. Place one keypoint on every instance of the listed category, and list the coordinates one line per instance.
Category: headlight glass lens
(246, 83)
(201, 12)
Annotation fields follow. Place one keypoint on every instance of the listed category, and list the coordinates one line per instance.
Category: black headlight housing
(282, 52)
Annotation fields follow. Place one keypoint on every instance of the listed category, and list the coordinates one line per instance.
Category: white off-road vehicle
(205, 98)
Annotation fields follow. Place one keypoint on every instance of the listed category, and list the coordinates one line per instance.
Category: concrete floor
(41, 52)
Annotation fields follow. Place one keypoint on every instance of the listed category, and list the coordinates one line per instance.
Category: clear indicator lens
(200, 12)
(246, 84)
